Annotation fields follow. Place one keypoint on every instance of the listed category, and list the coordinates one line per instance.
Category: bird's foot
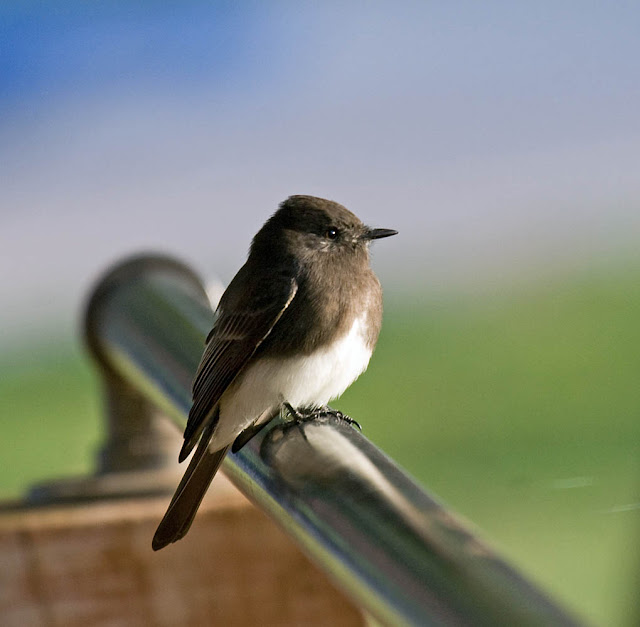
(306, 414)
(299, 415)
(329, 411)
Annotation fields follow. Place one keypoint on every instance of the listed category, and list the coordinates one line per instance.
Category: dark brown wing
(248, 310)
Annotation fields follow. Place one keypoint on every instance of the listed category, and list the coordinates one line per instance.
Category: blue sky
(54, 50)
(500, 139)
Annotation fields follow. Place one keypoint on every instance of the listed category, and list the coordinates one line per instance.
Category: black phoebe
(296, 326)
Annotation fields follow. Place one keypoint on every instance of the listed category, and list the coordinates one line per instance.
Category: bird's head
(311, 227)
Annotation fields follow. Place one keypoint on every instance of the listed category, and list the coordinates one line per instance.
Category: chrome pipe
(397, 552)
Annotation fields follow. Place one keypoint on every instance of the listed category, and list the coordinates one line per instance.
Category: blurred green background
(517, 406)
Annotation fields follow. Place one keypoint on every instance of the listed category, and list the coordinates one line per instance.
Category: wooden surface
(92, 564)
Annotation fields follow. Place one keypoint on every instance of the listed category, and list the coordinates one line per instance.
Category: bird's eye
(332, 233)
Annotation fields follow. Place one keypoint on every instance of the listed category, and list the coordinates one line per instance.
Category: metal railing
(392, 548)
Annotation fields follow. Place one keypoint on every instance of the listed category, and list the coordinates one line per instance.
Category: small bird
(294, 328)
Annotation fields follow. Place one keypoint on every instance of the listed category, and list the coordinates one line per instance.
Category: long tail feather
(189, 494)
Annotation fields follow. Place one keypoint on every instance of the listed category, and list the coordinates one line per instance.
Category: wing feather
(239, 330)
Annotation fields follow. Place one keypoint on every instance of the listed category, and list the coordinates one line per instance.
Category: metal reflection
(400, 554)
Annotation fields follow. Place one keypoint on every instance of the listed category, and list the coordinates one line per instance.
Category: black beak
(379, 233)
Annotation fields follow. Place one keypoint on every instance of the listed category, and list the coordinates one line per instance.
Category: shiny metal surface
(397, 552)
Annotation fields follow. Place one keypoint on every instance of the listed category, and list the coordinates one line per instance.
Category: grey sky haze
(496, 138)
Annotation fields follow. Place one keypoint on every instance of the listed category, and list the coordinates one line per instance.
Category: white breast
(310, 380)
(316, 379)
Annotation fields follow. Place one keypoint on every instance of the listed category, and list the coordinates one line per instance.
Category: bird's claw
(311, 413)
